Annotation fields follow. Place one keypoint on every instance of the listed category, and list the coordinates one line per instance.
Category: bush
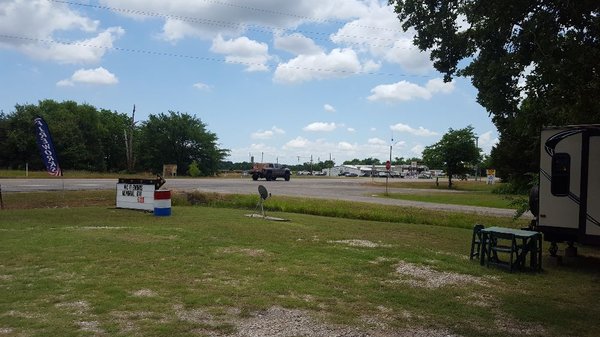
(194, 170)
(521, 201)
(508, 188)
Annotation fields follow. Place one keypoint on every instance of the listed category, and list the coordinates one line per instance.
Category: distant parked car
(350, 174)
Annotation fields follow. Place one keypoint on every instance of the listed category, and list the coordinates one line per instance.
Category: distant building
(379, 170)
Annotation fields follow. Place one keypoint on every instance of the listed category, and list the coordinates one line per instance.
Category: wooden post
(1, 202)
(129, 143)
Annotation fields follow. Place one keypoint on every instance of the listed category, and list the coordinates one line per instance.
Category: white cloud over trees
(406, 91)
(99, 76)
(420, 131)
(267, 134)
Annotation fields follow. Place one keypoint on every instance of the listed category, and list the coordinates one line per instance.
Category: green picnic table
(516, 244)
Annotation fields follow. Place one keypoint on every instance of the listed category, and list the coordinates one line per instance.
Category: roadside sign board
(491, 176)
(137, 193)
(388, 165)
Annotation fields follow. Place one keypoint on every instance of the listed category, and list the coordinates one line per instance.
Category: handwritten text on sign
(135, 196)
(132, 190)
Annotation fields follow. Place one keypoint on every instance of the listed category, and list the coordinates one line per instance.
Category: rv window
(561, 174)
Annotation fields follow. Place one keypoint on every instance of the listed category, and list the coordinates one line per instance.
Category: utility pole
(477, 164)
(129, 143)
(391, 143)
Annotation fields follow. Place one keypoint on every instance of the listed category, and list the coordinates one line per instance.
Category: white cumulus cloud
(202, 86)
(206, 19)
(267, 134)
(297, 44)
(296, 143)
(31, 27)
(377, 31)
(420, 131)
(406, 91)
(320, 126)
(40, 19)
(99, 76)
(329, 108)
(338, 63)
(418, 150)
(346, 146)
(376, 141)
(253, 54)
(438, 85)
(487, 141)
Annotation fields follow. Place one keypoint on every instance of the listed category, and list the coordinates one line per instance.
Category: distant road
(350, 189)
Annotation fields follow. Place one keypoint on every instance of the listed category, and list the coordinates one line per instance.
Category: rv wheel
(534, 200)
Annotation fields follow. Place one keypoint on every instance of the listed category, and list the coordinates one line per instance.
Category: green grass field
(470, 199)
(469, 193)
(211, 271)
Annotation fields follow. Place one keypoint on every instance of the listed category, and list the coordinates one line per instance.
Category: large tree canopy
(534, 63)
(179, 139)
(90, 139)
(456, 153)
(85, 138)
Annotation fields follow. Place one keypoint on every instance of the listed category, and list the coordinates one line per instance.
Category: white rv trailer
(569, 191)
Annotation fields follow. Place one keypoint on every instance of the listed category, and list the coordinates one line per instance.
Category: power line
(196, 57)
(296, 16)
(255, 28)
(254, 9)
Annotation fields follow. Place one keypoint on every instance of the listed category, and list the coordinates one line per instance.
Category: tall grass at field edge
(346, 209)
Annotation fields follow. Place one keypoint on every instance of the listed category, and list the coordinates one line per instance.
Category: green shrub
(194, 170)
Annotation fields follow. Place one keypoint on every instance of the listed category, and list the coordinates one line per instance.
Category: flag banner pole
(47, 151)
(46, 147)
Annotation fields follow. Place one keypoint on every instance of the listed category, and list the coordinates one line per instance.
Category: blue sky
(277, 80)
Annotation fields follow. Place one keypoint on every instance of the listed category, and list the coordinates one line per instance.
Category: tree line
(306, 166)
(376, 161)
(87, 138)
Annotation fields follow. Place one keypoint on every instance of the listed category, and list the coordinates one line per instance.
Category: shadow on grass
(578, 264)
